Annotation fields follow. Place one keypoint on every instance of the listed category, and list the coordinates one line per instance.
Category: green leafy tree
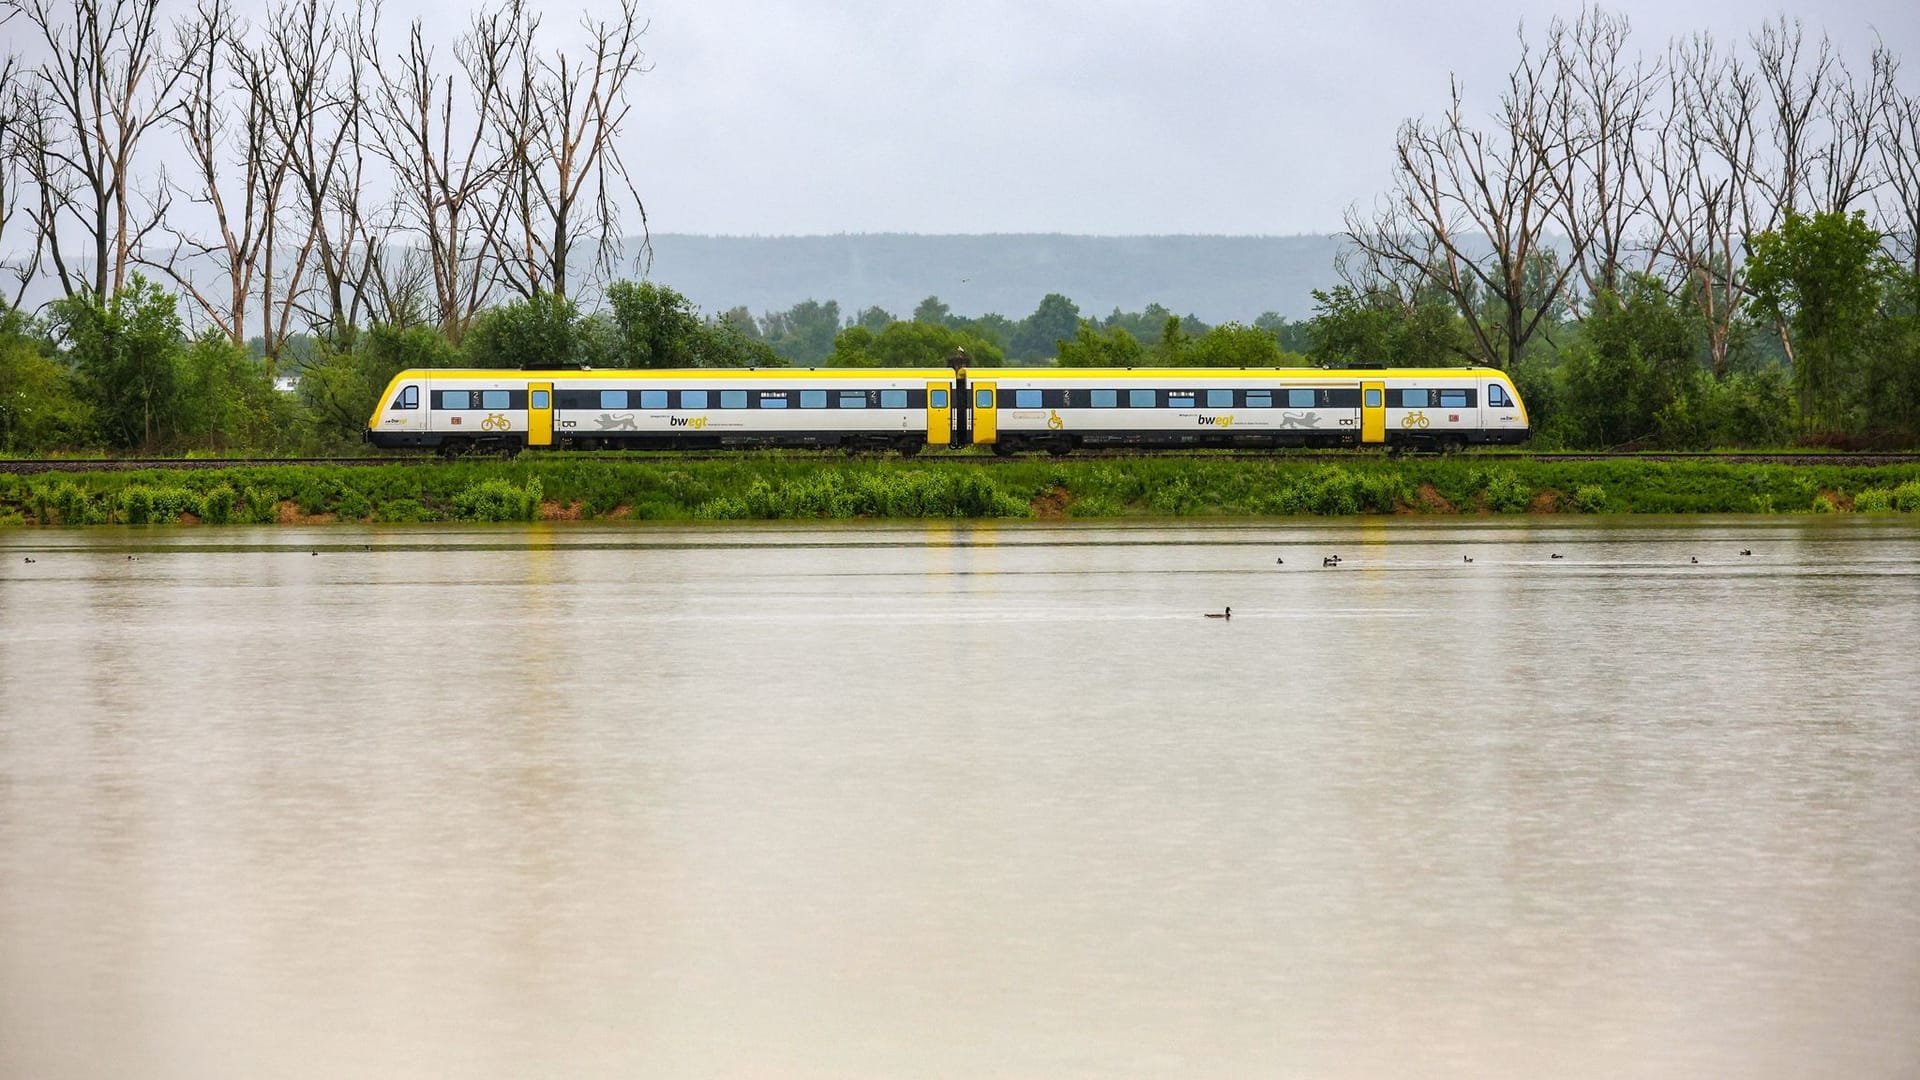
(1091, 347)
(654, 326)
(1376, 330)
(875, 319)
(909, 344)
(1822, 277)
(227, 399)
(932, 312)
(542, 330)
(1057, 319)
(804, 333)
(1235, 345)
(341, 385)
(1294, 337)
(39, 408)
(1640, 352)
(126, 354)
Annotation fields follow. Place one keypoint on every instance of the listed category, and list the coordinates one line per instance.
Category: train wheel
(1060, 447)
(453, 448)
(910, 447)
(1002, 449)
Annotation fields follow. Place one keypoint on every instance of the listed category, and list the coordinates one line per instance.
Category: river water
(962, 800)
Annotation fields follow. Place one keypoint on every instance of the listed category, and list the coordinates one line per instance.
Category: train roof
(1196, 373)
(557, 374)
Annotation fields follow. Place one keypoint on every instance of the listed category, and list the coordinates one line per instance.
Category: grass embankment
(796, 486)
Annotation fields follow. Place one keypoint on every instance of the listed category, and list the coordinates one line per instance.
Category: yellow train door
(1373, 412)
(986, 420)
(939, 413)
(540, 414)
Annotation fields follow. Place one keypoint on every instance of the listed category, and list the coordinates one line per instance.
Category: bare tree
(557, 121)
(445, 173)
(1899, 148)
(1594, 136)
(1699, 174)
(238, 173)
(16, 120)
(316, 108)
(1471, 209)
(104, 85)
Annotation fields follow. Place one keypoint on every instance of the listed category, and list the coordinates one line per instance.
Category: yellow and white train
(908, 409)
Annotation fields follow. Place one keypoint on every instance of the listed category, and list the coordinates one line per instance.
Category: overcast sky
(1083, 116)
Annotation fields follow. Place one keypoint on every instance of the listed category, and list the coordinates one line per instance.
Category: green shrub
(401, 510)
(143, 505)
(216, 506)
(1906, 497)
(1823, 505)
(74, 506)
(1504, 493)
(1590, 499)
(258, 506)
(498, 500)
(1873, 501)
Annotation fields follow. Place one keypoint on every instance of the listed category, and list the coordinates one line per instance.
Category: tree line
(1712, 245)
(1657, 242)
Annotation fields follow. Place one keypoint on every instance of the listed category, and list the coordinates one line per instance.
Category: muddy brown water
(962, 800)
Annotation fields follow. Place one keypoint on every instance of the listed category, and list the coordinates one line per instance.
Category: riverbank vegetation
(1712, 245)
(798, 486)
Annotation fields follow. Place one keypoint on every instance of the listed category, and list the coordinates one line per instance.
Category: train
(1008, 409)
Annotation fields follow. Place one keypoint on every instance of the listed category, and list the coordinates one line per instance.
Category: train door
(986, 419)
(540, 414)
(1373, 412)
(939, 413)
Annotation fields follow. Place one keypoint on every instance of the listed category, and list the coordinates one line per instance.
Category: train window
(853, 399)
(1180, 399)
(1299, 399)
(813, 399)
(453, 399)
(1373, 397)
(937, 399)
(1497, 396)
(653, 399)
(733, 399)
(495, 399)
(1456, 399)
(1103, 399)
(539, 399)
(1219, 399)
(1415, 399)
(1139, 399)
(983, 399)
(613, 399)
(1341, 399)
(1259, 399)
(693, 399)
(1026, 399)
(893, 399)
(776, 399)
(407, 399)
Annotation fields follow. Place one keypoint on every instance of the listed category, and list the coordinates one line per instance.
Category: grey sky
(1083, 116)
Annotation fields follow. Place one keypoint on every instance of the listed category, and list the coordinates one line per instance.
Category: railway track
(20, 467)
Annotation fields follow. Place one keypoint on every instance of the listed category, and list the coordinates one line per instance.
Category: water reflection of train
(908, 409)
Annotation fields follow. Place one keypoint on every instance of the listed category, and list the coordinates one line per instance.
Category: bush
(1906, 497)
(402, 510)
(1504, 493)
(1590, 499)
(142, 505)
(216, 506)
(258, 507)
(498, 500)
(1873, 501)
(74, 506)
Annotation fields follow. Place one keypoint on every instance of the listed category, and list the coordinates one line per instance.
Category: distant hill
(1217, 278)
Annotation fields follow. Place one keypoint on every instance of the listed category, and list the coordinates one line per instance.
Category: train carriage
(452, 410)
(1058, 409)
